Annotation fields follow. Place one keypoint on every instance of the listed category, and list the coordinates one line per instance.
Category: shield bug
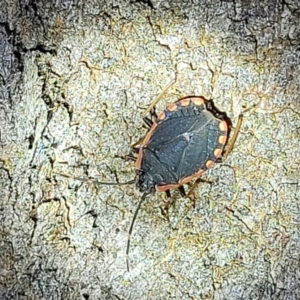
(183, 141)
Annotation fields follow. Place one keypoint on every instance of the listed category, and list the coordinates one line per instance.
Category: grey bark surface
(75, 80)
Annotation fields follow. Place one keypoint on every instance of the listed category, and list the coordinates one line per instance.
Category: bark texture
(75, 80)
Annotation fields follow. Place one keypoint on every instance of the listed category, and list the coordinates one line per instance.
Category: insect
(183, 141)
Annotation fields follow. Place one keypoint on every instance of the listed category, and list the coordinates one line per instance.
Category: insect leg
(131, 228)
(232, 141)
(152, 105)
(167, 203)
(195, 184)
(182, 191)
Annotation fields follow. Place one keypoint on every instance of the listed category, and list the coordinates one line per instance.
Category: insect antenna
(113, 183)
(116, 183)
(131, 227)
(96, 181)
